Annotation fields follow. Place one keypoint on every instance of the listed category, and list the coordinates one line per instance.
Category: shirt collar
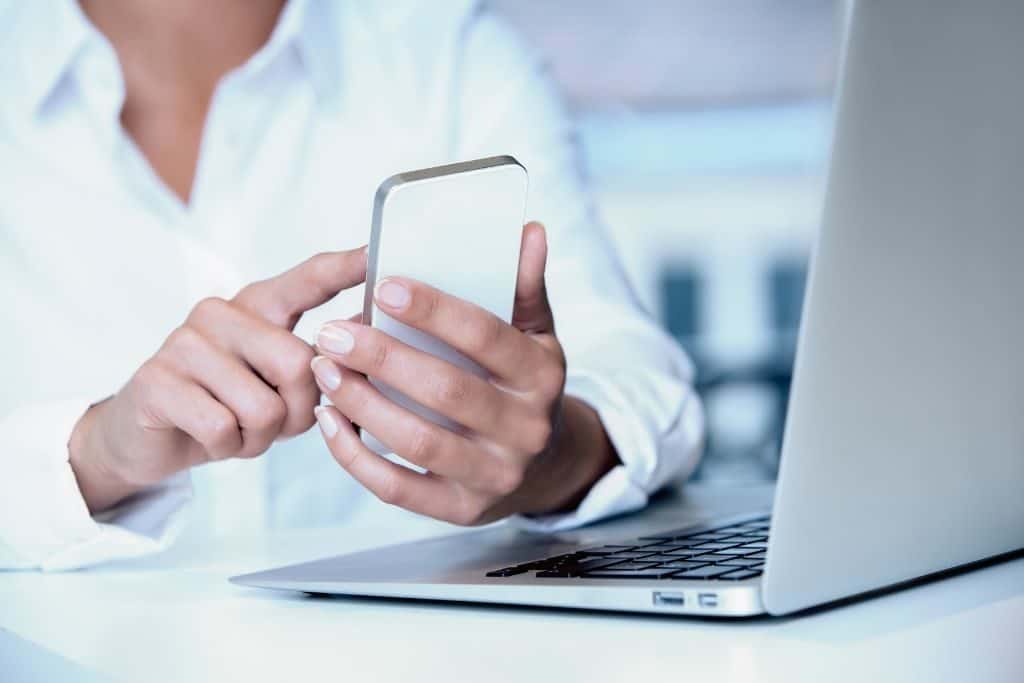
(43, 40)
(316, 35)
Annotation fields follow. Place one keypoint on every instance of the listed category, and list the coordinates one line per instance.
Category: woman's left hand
(524, 447)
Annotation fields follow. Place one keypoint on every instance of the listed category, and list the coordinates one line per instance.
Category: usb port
(668, 599)
(707, 599)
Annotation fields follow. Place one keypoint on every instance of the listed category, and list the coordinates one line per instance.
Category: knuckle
(483, 334)
(249, 293)
(508, 480)
(428, 300)
(353, 397)
(423, 447)
(250, 452)
(347, 457)
(266, 411)
(258, 299)
(323, 264)
(470, 513)
(319, 269)
(208, 308)
(538, 435)
(390, 491)
(300, 419)
(184, 339)
(380, 351)
(293, 366)
(149, 382)
(298, 424)
(219, 430)
(431, 303)
(553, 379)
(149, 374)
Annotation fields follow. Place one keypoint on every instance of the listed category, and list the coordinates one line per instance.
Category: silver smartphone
(457, 228)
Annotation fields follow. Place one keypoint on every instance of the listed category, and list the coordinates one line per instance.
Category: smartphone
(457, 228)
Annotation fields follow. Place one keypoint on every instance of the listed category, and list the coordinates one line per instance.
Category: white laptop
(903, 454)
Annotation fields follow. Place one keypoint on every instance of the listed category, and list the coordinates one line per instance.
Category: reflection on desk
(177, 618)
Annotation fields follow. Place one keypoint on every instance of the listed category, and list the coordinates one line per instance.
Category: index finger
(283, 299)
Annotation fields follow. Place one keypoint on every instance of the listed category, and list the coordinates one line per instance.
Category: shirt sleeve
(619, 361)
(44, 521)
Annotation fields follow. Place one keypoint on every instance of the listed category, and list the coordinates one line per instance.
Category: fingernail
(335, 339)
(392, 294)
(326, 421)
(328, 376)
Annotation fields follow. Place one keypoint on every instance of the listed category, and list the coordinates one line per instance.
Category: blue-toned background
(704, 127)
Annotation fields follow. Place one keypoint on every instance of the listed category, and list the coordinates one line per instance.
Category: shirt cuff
(44, 519)
(637, 431)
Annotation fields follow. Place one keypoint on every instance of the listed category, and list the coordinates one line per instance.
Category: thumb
(532, 312)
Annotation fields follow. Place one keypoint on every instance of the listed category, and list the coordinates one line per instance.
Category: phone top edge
(440, 171)
(399, 179)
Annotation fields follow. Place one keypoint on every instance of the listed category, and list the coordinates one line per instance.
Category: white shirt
(99, 260)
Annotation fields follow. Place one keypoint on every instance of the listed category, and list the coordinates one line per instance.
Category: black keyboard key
(631, 566)
(614, 573)
(755, 546)
(706, 572)
(708, 547)
(660, 558)
(757, 556)
(711, 557)
(606, 549)
(632, 554)
(701, 538)
(736, 551)
(507, 571)
(672, 545)
(556, 562)
(576, 568)
(739, 575)
(557, 559)
(652, 559)
(596, 563)
(742, 562)
(533, 566)
(680, 564)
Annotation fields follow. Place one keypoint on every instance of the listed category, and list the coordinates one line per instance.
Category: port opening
(663, 599)
(707, 599)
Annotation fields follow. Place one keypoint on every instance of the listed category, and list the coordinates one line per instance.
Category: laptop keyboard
(726, 553)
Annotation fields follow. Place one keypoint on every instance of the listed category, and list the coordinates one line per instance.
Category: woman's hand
(524, 446)
(226, 384)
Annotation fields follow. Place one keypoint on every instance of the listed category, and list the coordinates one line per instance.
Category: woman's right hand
(226, 384)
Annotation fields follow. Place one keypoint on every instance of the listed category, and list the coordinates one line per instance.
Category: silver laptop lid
(904, 448)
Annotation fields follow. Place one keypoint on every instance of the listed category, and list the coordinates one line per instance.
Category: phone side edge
(379, 199)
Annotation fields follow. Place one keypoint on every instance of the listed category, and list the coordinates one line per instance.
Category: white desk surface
(178, 619)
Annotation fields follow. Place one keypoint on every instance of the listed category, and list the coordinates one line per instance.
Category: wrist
(580, 455)
(99, 481)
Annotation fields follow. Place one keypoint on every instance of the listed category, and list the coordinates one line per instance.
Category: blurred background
(704, 127)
